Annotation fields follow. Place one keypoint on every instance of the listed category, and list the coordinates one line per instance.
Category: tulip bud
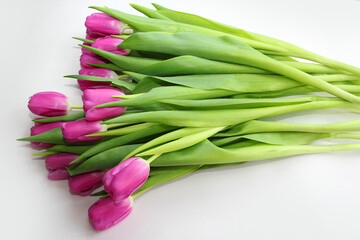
(49, 104)
(84, 50)
(99, 72)
(104, 213)
(85, 184)
(93, 35)
(124, 179)
(56, 165)
(75, 131)
(59, 174)
(86, 58)
(110, 44)
(99, 95)
(102, 24)
(41, 128)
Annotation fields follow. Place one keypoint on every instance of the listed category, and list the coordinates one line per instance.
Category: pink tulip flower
(102, 24)
(90, 37)
(56, 165)
(99, 72)
(84, 184)
(124, 179)
(86, 58)
(59, 174)
(99, 95)
(86, 51)
(49, 104)
(110, 44)
(75, 131)
(41, 128)
(104, 213)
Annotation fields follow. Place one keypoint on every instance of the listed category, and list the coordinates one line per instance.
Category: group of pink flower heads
(124, 179)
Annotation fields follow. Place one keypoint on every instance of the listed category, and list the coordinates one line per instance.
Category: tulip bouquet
(174, 93)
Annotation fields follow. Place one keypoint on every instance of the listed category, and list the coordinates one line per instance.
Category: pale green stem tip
(76, 106)
(153, 158)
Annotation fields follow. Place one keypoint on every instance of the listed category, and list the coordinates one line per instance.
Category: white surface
(306, 197)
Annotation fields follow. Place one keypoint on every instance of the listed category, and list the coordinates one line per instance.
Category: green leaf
(100, 193)
(84, 40)
(52, 136)
(229, 103)
(70, 149)
(219, 117)
(45, 153)
(66, 118)
(228, 49)
(157, 179)
(291, 48)
(103, 160)
(124, 62)
(195, 20)
(107, 65)
(286, 138)
(208, 153)
(188, 64)
(164, 138)
(149, 12)
(117, 82)
(122, 140)
(183, 142)
(143, 24)
(232, 82)
(149, 100)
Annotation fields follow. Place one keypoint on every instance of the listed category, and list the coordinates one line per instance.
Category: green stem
(164, 138)
(76, 106)
(313, 81)
(128, 96)
(326, 61)
(121, 36)
(218, 118)
(346, 135)
(256, 126)
(305, 54)
(116, 125)
(123, 76)
(45, 153)
(153, 158)
(123, 131)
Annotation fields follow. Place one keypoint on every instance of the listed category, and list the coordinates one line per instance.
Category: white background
(306, 197)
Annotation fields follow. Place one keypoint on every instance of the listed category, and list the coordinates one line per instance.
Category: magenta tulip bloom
(124, 179)
(75, 131)
(86, 58)
(49, 104)
(90, 37)
(104, 213)
(93, 35)
(103, 24)
(99, 95)
(41, 128)
(110, 44)
(99, 72)
(59, 174)
(56, 165)
(84, 50)
(84, 184)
